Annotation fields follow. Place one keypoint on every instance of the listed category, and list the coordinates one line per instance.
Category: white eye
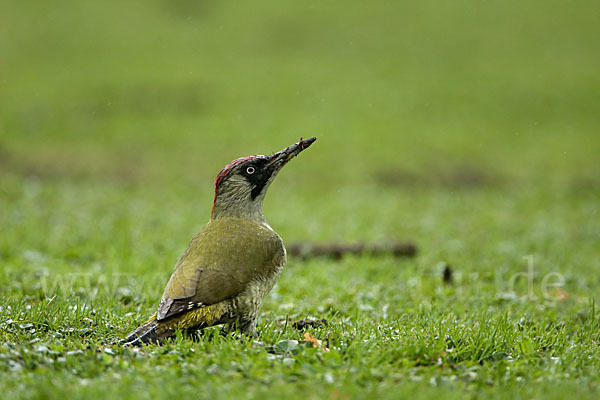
(250, 170)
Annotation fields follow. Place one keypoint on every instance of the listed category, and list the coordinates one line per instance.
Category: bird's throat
(234, 208)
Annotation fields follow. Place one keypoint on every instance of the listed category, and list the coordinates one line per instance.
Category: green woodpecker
(231, 265)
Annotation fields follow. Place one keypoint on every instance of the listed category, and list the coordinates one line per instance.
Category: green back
(220, 262)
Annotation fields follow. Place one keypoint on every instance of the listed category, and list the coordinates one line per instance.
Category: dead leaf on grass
(308, 337)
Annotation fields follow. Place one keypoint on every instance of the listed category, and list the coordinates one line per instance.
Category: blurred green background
(439, 122)
(164, 91)
(469, 127)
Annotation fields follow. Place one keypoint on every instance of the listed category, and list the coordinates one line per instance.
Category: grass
(470, 128)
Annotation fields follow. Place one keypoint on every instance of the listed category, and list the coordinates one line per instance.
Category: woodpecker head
(241, 186)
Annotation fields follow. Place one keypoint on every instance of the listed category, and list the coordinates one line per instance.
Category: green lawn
(470, 128)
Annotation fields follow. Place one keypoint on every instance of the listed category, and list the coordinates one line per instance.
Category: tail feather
(153, 331)
(144, 334)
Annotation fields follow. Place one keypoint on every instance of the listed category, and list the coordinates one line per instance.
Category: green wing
(219, 263)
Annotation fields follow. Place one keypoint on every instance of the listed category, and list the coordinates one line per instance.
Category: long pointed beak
(280, 158)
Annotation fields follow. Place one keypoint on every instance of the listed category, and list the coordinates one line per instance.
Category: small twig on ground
(337, 250)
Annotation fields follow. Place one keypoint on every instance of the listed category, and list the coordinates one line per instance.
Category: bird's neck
(237, 208)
